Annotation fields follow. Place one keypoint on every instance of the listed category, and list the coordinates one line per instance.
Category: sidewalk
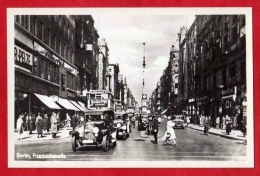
(234, 134)
(62, 133)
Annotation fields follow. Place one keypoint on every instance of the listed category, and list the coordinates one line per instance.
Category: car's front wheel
(74, 144)
(105, 144)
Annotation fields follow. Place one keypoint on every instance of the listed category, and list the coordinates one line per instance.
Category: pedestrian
(54, 125)
(39, 127)
(235, 121)
(73, 121)
(169, 133)
(68, 120)
(224, 122)
(155, 129)
(19, 126)
(30, 121)
(217, 122)
(38, 117)
(188, 120)
(58, 120)
(26, 126)
(45, 124)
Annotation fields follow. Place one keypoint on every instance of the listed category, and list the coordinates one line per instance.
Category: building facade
(44, 54)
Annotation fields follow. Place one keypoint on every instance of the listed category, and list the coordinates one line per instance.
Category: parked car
(178, 121)
(97, 131)
(142, 123)
(122, 126)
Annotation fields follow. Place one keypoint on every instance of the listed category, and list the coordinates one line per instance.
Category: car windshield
(94, 117)
(119, 117)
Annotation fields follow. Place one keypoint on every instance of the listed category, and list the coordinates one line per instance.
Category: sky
(125, 35)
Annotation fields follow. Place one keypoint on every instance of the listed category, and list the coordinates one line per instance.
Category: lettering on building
(23, 58)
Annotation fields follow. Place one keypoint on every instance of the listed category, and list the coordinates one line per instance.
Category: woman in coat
(39, 127)
(45, 124)
(54, 125)
(19, 126)
(169, 133)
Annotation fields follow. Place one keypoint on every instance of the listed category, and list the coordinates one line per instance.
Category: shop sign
(98, 92)
(53, 90)
(22, 82)
(42, 51)
(23, 58)
(70, 69)
(201, 98)
(229, 91)
(71, 94)
(100, 70)
(98, 103)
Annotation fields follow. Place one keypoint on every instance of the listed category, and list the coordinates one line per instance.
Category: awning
(47, 101)
(67, 105)
(82, 105)
(78, 106)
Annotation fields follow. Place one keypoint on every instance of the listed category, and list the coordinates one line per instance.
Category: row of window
(49, 71)
(229, 76)
(36, 26)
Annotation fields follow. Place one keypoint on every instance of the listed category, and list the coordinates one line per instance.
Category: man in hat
(155, 129)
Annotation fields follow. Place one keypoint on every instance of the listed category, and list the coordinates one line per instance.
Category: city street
(191, 145)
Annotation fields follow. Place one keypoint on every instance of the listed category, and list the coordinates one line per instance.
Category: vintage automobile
(142, 123)
(97, 130)
(122, 126)
(178, 121)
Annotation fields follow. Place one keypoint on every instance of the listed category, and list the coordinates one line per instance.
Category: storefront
(27, 87)
(228, 99)
(192, 110)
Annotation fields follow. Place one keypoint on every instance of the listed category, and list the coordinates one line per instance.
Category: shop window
(35, 66)
(50, 72)
(63, 82)
(55, 74)
(43, 67)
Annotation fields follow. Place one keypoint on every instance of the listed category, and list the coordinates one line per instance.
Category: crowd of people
(45, 124)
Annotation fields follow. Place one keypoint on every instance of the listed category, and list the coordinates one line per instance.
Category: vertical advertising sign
(100, 71)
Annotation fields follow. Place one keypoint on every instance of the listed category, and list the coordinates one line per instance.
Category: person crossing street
(169, 133)
(155, 129)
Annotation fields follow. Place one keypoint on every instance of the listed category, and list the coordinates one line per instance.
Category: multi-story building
(45, 70)
(113, 70)
(221, 50)
(212, 74)
(181, 100)
(174, 63)
(87, 53)
(102, 63)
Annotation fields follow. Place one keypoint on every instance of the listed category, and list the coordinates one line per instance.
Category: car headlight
(95, 130)
(118, 125)
(81, 130)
